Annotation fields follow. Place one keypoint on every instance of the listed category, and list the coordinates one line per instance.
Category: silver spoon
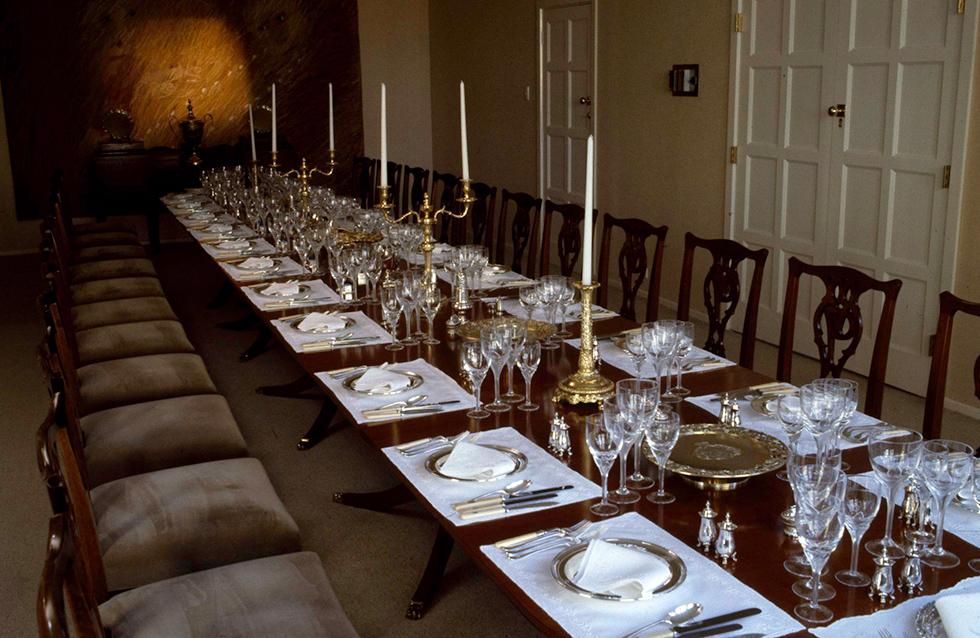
(407, 402)
(510, 488)
(678, 615)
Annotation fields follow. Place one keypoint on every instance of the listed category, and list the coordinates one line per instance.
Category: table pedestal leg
(224, 294)
(320, 428)
(380, 501)
(258, 346)
(432, 576)
(248, 322)
(292, 390)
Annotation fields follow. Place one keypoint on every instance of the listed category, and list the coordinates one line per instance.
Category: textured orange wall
(65, 63)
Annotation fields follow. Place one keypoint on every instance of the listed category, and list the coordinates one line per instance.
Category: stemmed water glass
(975, 563)
(475, 364)
(661, 436)
(637, 401)
(408, 297)
(946, 466)
(390, 309)
(529, 300)
(684, 331)
(636, 349)
(660, 339)
(847, 392)
(790, 418)
(819, 527)
(894, 455)
(860, 508)
(566, 295)
(822, 407)
(527, 362)
(496, 345)
(549, 292)
(518, 335)
(801, 462)
(431, 301)
(604, 437)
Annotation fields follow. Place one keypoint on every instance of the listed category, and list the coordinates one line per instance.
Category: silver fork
(544, 536)
(558, 540)
(432, 446)
(884, 633)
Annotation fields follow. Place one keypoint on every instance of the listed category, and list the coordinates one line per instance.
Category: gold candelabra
(304, 173)
(254, 174)
(585, 385)
(274, 164)
(427, 217)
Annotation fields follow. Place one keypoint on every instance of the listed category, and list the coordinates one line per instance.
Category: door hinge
(946, 171)
(733, 155)
(932, 344)
(961, 6)
(738, 22)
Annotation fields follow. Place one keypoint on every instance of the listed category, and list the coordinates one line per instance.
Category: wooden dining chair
(723, 290)
(364, 180)
(415, 183)
(838, 325)
(632, 264)
(949, 305)
(568, 241)
(523, 230)
(481, 215)
(443, 195)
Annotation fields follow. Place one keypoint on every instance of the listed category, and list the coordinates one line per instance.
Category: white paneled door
(566, 97)
(844, 125)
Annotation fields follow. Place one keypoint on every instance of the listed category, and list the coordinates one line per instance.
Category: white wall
(394, 42)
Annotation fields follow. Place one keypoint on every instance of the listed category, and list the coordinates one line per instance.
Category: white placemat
(218, 217)
(287, 268)
(964, 524)
(240, 231)
(320, 294)
(706, 582)
(898, 620)
(618, 358)
(507, 279)
(543, 469)
(755, 421)
(363, 327)
(259, 247)
(513, 307)
(436, 384)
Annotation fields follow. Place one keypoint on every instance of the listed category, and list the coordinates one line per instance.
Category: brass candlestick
(274, 164)
(254, 172)
(304, 173)
(427, 217)
(586, 385)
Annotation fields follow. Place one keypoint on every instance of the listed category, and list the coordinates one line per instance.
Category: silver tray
(294, 324)
(928, 624)
(415, 380)
(433, 464)
(678, 571)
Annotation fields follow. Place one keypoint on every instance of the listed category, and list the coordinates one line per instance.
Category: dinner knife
(509, 503)
(516, 498)
(394, 413)
(718, 620)
(700, 633)
(762, 387)
(500, 509)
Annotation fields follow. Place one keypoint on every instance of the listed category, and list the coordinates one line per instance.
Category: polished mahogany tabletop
(755, 506)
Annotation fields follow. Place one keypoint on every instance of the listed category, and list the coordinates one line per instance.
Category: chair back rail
(364, 180)
(569, 238)
(415, 184)
(523, 226)
(482, 214)
(632, 264)
(62, 600)
(445, 187)
(722, 291)
(838, 325)
(949, 305)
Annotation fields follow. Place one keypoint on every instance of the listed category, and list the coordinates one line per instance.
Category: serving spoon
(676, 616)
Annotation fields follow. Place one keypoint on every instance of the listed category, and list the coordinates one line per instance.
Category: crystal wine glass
(975, 563)
(390, 310)
(661, 436)
(496, 346)
(790, 418)
(820, 527)
(636, 349)
(685, 342)
(604, 438)
(637, 401)
(529, 300)
(527, 362)
(860, 509)
(822, 408)
(431, 301)
(946, 466)
(475, 364)
(518, 335)
(408, 296)
(894, 455)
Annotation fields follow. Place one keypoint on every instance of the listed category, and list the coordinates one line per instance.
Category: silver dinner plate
(928, 624)
(564, 565)
(434, 464)
(294, 324)
(304, 291)
(414, 381)
(276, 265)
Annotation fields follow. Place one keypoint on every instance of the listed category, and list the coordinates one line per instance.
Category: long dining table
(762, 545)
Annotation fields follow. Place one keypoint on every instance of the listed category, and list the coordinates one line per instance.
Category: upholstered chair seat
(131, 340)
(114, 238)
(109, 384)
(121, 288)
(157, 435)
(107, 313)
(286, 595)
(102, 227)
(112, 269)
(102, 253)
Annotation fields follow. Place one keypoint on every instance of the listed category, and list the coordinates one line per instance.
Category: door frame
(961, 131)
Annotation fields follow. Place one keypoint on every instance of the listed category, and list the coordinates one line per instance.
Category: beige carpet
(372, 559)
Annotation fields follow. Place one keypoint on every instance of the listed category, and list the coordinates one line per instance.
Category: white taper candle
(251, 130)
(462, 131)
(274, 145)
(587, 234)
(384, 137)
(331, 116)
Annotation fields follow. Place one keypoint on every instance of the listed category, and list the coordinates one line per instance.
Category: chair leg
(224, 294)
(380, 501)
(320, 428)
(292, 390)
(432, 576)
(260, 345)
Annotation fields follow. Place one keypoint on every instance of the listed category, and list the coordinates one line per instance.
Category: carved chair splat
(633, 264)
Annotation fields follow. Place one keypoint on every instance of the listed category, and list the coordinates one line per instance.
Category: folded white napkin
(201, 216)
(614, 569)
(236, 244)
(321, 322)
(378, 379)
(960, 614)
(259, 263)
(284, 289)
(469, 460)
(220, 228)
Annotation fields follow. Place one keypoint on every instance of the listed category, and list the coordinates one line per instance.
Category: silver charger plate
(414, 381)
(276, 265)
(294, 324)
(434, 464)
(928, 624)
(561, 569)
(304, 291)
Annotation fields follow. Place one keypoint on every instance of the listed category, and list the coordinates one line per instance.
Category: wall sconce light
(684, 80)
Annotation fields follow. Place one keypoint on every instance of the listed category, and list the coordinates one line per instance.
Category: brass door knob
(585, 100)
(837, 110)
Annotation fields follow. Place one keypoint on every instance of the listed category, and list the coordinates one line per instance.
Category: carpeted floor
(372, 559)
